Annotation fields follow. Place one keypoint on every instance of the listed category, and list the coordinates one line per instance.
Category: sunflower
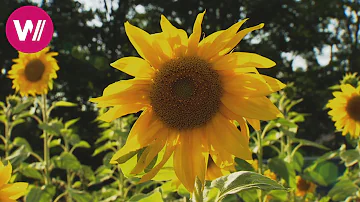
(33, 73)
(193, 96)
(303, 187)
(10, 192)
(345, 110)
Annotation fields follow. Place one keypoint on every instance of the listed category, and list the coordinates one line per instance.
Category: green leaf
(155, 196)
(328, 170)
(82, 144)
(198, 191)
(105, 147)
(87, 173)
(43, 194)
(342, 190)
(67, 161)
(80, 196)
(242, 165)
(284, 170)
(350, 157)
(298, 161)
(71, 122)
(54, 143)
(52, 128)
(73, 139)
(325, 157)
(22, 106)
(309, 143)
(64, 104)
(316, 177)
(243, 181)
(18, 156)
(31, 172)
(17, 122)
(19, 141)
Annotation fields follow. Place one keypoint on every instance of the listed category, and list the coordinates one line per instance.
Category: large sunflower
(33, 73)
(191, 94)
(10, 192)
(345, 110)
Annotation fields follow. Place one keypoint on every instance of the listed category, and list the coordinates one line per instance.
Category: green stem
(260, 159)
(60, 196)
(7, 139)
(46, 141)
(69, 180)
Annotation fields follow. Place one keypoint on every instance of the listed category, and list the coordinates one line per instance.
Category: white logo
(22, 33)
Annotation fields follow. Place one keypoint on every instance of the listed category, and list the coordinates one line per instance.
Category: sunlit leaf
(80, 196)
(298, 161)
(154, 196)
(43, 194)
(54, 143)
(64, 104)
(19, 141)
(243, 181)
(309, 143)
(67, 161)
(71, 122)
(350, 157)
(31, 172)
(82, 144)
(342, 190)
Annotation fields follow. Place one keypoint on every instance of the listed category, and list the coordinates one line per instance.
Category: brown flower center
(186, 93)
(353, 108)
(303, 185)
(34, 70)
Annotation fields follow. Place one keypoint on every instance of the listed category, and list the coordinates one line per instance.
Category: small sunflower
(345, 110)
(303, 187)
(191, 94)
(33, 73)
(10, 192)
(269, 174)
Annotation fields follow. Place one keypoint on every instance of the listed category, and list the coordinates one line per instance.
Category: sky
(323, 56)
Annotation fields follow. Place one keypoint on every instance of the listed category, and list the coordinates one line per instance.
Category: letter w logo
(22, 33)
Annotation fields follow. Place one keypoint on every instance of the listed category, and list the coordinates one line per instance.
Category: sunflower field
(183, 100)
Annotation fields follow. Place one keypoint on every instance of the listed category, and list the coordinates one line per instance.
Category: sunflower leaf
(242, 181)
(284, 170)
(64, 104)
(350, 157)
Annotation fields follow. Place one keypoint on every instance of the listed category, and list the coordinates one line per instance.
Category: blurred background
(313, 43)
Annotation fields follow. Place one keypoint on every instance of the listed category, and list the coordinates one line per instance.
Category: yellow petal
(251, 85)
(241, 60)
(5, 174)
(208, 50)
(254, 123)
(260, 108)
(14, 191)
(177, 38)
(234, 142)
(239, 36)
(119, 111)
(170, 147)
(151, 151)
(190, 159)
(213, 171)
(195, 36)
(141, 135)
(125, 92)
(348, 89)
(134, 66)
(143, 43)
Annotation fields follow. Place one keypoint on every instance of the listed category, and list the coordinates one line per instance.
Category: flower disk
(186, 93)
